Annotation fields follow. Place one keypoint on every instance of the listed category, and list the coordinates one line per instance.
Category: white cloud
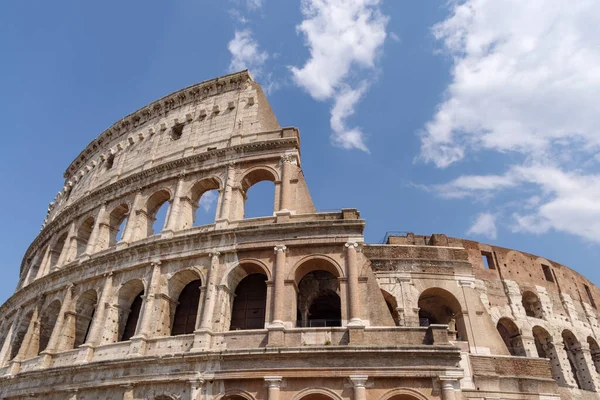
(208, 200)
(245, 53)
(484, 225)
(525, 79)
(526, 76)
(344, 37)
(254, 4)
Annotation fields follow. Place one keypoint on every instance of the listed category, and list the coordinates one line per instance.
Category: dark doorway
(187, 310)
(250, 303)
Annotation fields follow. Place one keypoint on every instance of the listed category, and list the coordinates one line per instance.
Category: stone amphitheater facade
(289, 306)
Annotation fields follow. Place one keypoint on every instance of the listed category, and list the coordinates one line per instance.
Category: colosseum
(289, 306)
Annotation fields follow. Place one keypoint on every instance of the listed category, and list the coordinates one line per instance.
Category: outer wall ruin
(288, 306)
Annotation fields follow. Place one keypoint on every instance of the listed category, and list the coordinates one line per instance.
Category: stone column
(131, 227)
(447, 388)
(91, 246)
(353, 288)
(286, 189)
(57, 331)
(173, 219)
(98, 323)
(279, 287)
(148, 314)
(273, 384)
(227, 195)
(211, 292)
(69, 249)
(359, 383)
(128, 392)
(45, 265)
(31, 339)
(8, 340)
(196, 388)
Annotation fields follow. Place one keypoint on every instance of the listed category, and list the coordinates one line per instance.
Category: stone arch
(249, 306)
(235, 394)
(439, 306)
(392, 306)
(317, 393)
(198, 189)
(184, 288)
(165, 397)
(36, 263)
(243, 268)
(48, 323)
(315, 262)
(577, 362)
(56, 250)
(85, 308)
(594, 352)
(511, 335)
(403, 394)
(158, 199)
(318, 301)
(253, 176)
(129, 303)
(116, 218)
(84, 232)
(532, 305)
(22, 327)
(546, 349)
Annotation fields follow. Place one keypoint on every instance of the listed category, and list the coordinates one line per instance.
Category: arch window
(20, 333)
(57, 250)
(258, 189)
(130, 307)
(35, 266)
(158, 208)
(186, 312)
(579, 367)
(511, 336)
(392, 306)
(117, 222)
(204, 198)
(47, 324)
(594, 352)
(83, 235)
(319, 302)
(249, 304)
(532, 305)
(85, 310)
(438, 306)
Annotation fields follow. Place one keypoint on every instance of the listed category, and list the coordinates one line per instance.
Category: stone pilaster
(58, 330)
(273, 384)
(279, 287)
(174, 218)
(225, 215)
(353, 288)
(285, 200)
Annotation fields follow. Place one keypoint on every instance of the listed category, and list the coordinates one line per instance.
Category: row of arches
(164, 209)
(567, 358)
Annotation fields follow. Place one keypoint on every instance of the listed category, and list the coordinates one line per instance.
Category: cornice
(199, 91)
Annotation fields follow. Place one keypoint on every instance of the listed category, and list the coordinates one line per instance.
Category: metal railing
(319, 323)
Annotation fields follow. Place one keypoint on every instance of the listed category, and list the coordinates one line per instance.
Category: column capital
(273, 381)
(156, 263)
(214, 254)
(351, 244)
(282, 248)
(358, 380)
(288, 159)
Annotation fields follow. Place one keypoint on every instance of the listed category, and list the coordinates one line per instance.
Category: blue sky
(475, 118)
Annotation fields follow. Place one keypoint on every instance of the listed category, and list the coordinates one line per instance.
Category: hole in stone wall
(176, 132)
(110, 161)
(488, 260)
(547, 273)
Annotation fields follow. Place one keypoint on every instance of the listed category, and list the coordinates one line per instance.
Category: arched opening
(57, 250)
(319, 302)
(594, 352)
(249, 304)
(157, 208)
(117, 222)
(186, 312)
(316, 396)
(85, 309)
(130, 306)
(438, 306)
(204, 197)
(47, 324)
(392, 306)
(532, 305)
(511, 336)
(83, 235)
(579, 367)
(258, 188)
(546, 349)
(35, 266)
(403, 396)
(20, 333)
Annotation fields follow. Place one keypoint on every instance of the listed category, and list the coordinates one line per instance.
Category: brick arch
(403, 394)
(318, 392)
(315, 262)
